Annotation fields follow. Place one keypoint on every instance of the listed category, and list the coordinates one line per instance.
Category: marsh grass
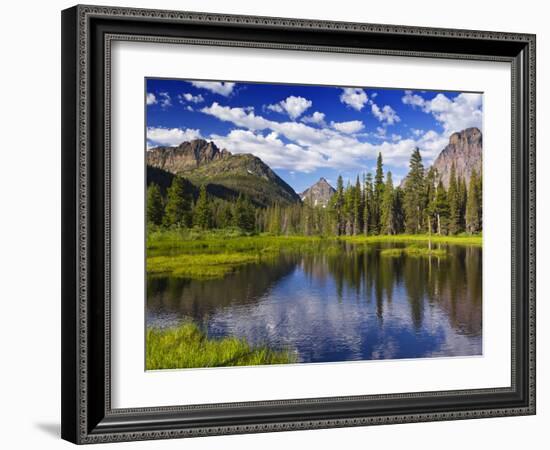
(462, 239)
(413, 251)
(425, 251)
(186, 346)
(196, 254)
(200, 266)
(206, 255)
(391, 252)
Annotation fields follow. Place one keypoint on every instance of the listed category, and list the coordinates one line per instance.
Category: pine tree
(202, 214)
(357, 208)
(348, 209)
(378, 193)
(454, 203)
(369, 203)
(178, 204)
(430, 200)
(388, 220)
(155, 207)
(244, 216)
(462, 199)
(415, 195)
(399, 212)
(337, 205)
(480, 200)
(441, 210)
(225, 215)
(473, 223)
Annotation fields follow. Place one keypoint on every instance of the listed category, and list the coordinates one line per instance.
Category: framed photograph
(280, 224)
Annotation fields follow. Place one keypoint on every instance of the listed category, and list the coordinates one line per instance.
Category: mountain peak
(319, 193)
(225, 174)
(464, 150)
(186, 156)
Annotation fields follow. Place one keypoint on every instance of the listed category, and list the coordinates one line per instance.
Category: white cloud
(353, 126)
(151, 99)
(170, 136)
(354, 97)
(293, 106)
(386, 114)
(317, 118)
(238, 116)
(464, 111)
(413, 99)
(224, 88)
(276, 107)
(270, 149)
(307, 148)
(192, 98)
(165, 100)
(380, 132)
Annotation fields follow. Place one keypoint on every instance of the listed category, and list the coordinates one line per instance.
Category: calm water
(352, 305)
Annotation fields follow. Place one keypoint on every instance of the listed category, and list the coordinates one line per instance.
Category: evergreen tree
(225, 215)
(155, 207)
(369, 203)
(473, 223)
(388, 220)
(244, 216)
(378, 193)
(430, 200)
(202, 214)
(357, 208)
(480, 200)
(337, 205)
(453, 198)
(399, 199)
(348, 209)
(462, 199)
(441, 210)
(178, 204)
(415, 195)
(273, 219)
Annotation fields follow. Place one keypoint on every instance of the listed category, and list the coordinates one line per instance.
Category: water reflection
(341, 306)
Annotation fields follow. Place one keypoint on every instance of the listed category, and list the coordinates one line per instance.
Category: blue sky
(307, 132)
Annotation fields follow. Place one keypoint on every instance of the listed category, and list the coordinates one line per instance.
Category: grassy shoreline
(186, 346)
(197, 254)
(420, 238)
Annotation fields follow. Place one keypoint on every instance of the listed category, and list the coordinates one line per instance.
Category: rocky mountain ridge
(226, 175)
(186, 156)
(464, 151)
(318, 194)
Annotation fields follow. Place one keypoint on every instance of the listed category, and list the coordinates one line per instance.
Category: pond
(348, 305)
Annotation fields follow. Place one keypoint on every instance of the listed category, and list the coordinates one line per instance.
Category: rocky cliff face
(319, 194)
(186, 156)
(226, 175)
(464, 150)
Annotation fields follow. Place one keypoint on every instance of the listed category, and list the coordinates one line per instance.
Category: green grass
(391, 252)
(425, 251)
(463, 239)
(414, 251)
(200, 266)
(187, 346)
(214, 254)
(196, 254)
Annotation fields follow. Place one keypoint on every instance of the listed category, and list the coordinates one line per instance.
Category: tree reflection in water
(338, 306)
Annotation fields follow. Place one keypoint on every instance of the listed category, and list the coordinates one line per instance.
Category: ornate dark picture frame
(87, 34)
